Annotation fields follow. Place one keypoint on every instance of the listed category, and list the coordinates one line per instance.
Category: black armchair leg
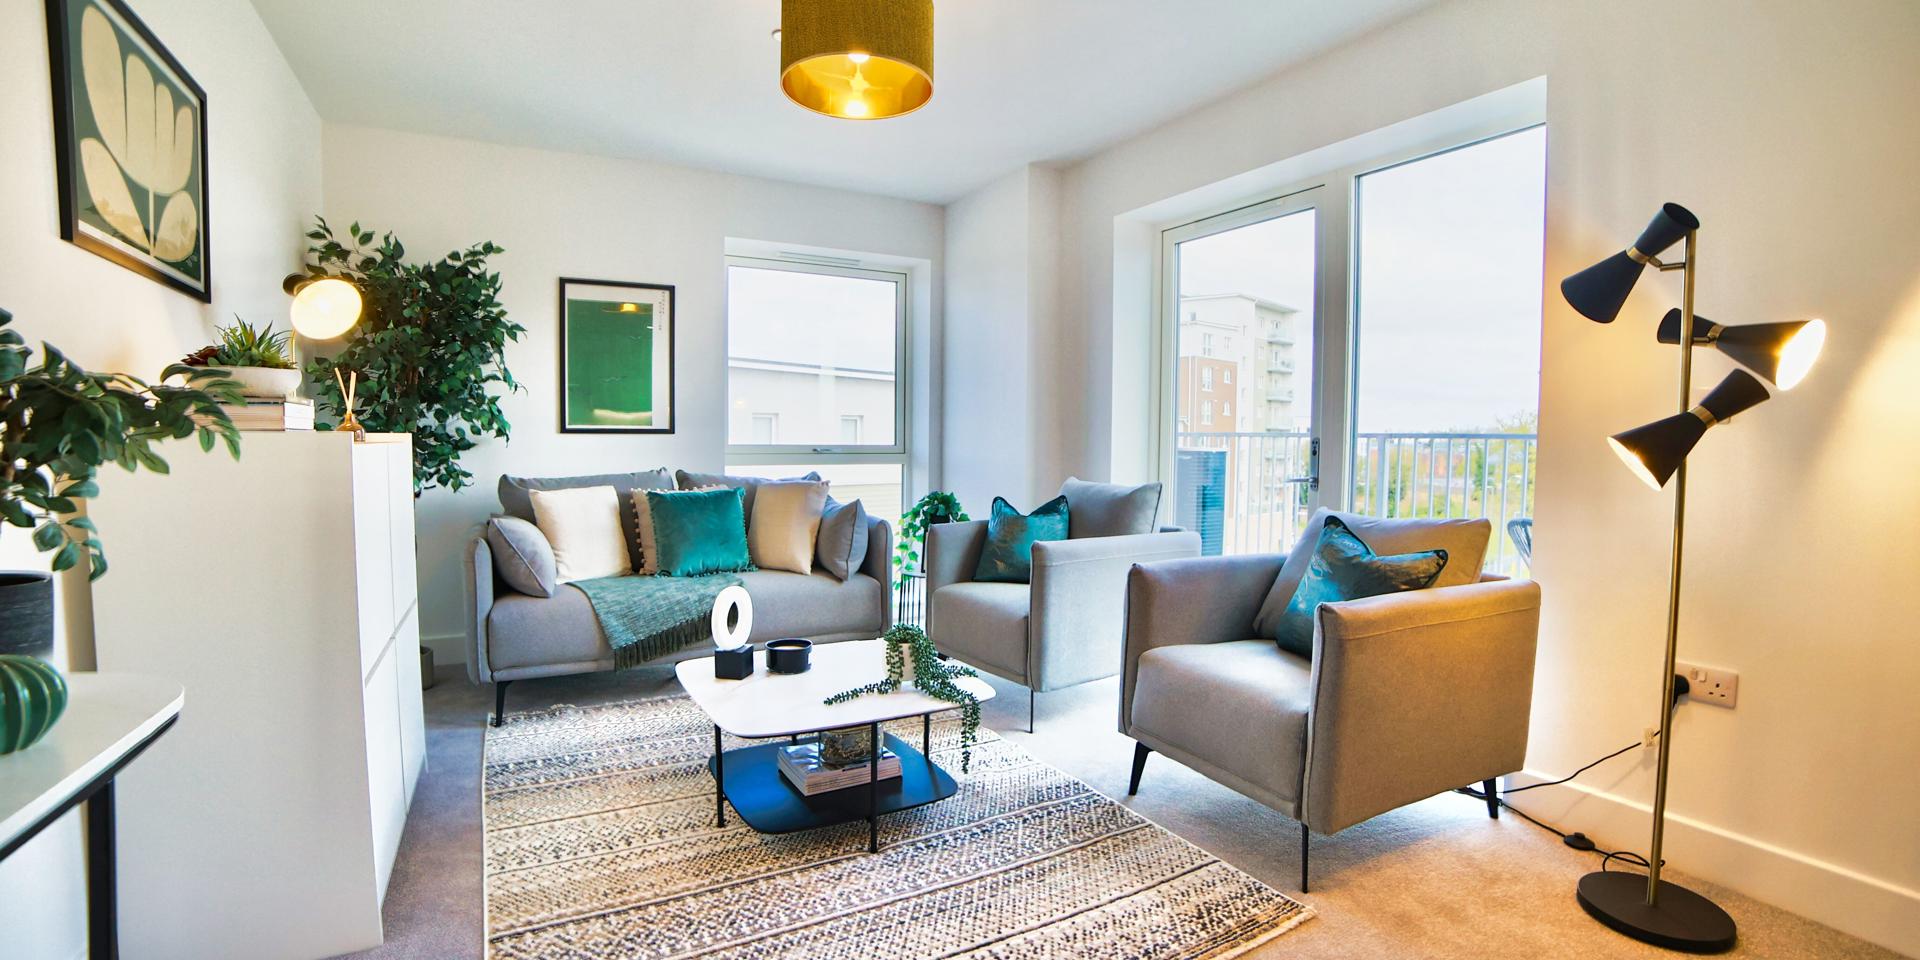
(1140, 751)
(1306, 842)
(1493, 798)
(499, 700)
(1030, 709)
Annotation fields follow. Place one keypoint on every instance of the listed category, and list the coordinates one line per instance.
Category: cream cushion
(785, 523)
(583, 525)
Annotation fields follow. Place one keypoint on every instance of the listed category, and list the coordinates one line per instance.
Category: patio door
(1244, 366)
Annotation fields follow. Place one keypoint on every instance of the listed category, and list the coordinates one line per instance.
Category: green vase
(32, 696)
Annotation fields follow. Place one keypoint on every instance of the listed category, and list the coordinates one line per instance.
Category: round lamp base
(1684, 920)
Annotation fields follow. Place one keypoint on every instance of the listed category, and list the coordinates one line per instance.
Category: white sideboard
(279, 590)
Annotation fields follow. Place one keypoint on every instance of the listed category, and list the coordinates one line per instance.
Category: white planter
(265, 382)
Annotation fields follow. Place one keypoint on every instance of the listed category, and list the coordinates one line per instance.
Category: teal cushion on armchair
(1343, 567)
(1008, 554)
(699, 532)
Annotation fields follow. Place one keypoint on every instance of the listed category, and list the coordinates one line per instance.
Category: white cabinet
(279, 590)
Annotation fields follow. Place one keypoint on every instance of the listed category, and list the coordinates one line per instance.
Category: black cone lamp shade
(1653, 452)
(1598, 291)
(1781, 353)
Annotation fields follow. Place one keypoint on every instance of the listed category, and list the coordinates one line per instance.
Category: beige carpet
(601, 842)
(1435, 879)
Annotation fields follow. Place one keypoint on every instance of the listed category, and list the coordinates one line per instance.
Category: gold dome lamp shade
(857, 59)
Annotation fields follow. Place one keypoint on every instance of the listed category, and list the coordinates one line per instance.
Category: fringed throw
(646, 618)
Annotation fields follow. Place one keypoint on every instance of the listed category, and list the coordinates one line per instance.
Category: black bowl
(789, 655)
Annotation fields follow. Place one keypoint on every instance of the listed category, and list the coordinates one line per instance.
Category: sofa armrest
(950, 555)
(879, 565)
(1078, 602)
(479, 590)
(1198, 600)
(1415, 694)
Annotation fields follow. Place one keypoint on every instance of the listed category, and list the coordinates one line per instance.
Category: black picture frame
(63, 51)
(660, 294)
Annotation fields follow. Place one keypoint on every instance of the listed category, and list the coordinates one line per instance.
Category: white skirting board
(1865, 906)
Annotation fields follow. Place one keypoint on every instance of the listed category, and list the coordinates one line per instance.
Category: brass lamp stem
(1673, 589)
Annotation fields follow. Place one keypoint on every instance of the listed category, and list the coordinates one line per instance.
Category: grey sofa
(514, 636)
(1060, 630)
(1407, 695)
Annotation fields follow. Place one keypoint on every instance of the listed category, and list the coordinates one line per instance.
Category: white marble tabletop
(767, 704)
(107, 716)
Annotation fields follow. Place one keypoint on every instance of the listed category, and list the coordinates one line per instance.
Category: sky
(1449, 280)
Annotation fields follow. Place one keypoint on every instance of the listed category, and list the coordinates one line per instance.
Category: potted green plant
(58, 425)
(256, 358)
(911, 658)
(938, 506)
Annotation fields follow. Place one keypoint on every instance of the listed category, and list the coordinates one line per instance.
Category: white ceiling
(695, 82)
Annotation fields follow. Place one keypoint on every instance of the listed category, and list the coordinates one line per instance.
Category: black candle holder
(789, 655)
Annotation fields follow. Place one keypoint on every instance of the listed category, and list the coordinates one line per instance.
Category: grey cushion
(842, 544)
(689, 480)
(1109, 509)
(516, 503)
(1464, 540)
(522, 556)
(1240, 706)
(984, 624)
(528, 631)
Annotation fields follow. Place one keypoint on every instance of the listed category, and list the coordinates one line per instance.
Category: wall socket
(1714, 685)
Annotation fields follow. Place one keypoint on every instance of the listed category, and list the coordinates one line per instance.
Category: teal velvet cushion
(1344, 568)
(699, 532)
(1008, 554)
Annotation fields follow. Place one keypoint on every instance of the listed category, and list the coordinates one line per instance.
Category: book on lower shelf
(289, 414)
(802, 766)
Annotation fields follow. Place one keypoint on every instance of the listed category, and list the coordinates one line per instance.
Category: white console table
(110, 720)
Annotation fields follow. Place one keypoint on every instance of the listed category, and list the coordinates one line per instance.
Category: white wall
(1002, 242)
(263, 180)
(1786, 127)
(561, 214)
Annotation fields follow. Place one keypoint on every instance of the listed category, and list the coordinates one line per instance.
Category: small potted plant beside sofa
(588, 573)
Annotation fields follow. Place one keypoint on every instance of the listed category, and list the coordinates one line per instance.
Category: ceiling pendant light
(857, 59)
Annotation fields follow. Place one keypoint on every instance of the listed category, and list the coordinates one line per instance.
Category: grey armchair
(1063, 628)
(1407, 695)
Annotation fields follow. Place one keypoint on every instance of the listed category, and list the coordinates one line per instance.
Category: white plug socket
(1714, 685)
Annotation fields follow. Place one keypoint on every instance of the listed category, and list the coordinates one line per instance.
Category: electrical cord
(1578, 840)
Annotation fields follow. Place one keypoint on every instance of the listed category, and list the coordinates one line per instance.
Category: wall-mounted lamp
(323, 307)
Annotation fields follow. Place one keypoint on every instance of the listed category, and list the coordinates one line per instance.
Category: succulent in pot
(256, 358)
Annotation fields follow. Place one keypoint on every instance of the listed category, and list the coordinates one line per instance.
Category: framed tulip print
(130, 145)
(616, 357)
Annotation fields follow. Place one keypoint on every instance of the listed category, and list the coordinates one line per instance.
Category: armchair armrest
(1197, 600)
(479, 590)
(1417, 693)
(1078, 602)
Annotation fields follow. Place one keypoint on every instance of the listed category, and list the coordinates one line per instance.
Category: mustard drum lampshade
(323, 307)
(1781, 353)
(857, 59)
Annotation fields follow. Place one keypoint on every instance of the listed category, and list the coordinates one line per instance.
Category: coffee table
(768, 706)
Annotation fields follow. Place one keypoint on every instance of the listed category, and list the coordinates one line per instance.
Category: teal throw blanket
(646, 618)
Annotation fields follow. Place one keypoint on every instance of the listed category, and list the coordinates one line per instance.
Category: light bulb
(855, 108)
(326, 308)
(1799, 353)
(1634, 463)
(857, 57)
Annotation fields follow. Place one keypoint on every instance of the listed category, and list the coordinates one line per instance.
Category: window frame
(831, 453)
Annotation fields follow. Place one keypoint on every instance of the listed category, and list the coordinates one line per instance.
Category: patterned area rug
(600, 843)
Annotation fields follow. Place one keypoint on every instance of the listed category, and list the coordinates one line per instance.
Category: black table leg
(103, 922)
(873, 788)
(926, 735)
(719, 781)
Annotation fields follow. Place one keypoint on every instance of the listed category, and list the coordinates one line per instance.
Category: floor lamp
(1669, 915)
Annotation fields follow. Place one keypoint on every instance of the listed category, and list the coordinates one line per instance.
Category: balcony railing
(1244, 492)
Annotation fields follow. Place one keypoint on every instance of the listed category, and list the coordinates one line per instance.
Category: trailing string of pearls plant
(931, 676)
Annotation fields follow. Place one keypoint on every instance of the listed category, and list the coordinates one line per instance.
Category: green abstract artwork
(132, 148)
(616, 351)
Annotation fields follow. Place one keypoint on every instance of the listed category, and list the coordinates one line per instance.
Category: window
(1206, 378)
(1226, 408)
(1228, 374)
(816, 376)
(1206, 344)
(1206, 413)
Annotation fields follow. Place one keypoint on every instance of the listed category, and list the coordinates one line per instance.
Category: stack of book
(289, 414)
(802, 766)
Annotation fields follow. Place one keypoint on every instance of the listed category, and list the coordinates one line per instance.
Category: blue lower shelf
(768, 803)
